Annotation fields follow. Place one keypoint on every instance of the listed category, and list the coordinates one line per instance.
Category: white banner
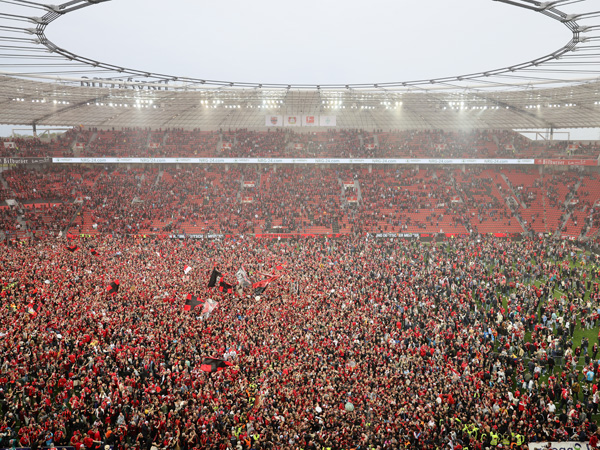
(273, 121)
(327, 121)
(561, 446)
(9, 144)
(289, 161)
(292, 121)
(208, 307)
(310, 121)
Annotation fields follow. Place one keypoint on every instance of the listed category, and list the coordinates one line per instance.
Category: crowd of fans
(48, 219)
(59, 145)
(278, 143)
(51, 183)
(356, 343)
(249, 199)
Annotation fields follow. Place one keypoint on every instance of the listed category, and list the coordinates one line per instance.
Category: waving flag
(260, 286)
(242, 278)
(214, 276)
(33, 308)
(208, 307)
(225, 287)
(113, 287)
(211, 365)
(191, 302)
(187, 269)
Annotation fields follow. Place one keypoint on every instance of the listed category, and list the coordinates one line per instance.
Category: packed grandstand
(321, 199)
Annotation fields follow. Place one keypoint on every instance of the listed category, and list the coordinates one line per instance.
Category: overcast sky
(309, 41)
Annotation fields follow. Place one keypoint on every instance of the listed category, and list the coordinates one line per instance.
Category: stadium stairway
(4, 183)
(161, 172)
(496, 141)
(464, 199)
(545, 215)
(92, 139)
(335, 226)
(75, 215)
(148, 141)
(512, 189)
(343, 201)
(219, 144)
(569, 213)
(23, 232)
(358, 193)
(77, 151)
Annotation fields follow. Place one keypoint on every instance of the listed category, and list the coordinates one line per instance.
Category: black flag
(214, 276)
(214, 364)
(113, 287)
(191, 302)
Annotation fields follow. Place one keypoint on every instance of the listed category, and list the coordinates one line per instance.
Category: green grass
(578, 334)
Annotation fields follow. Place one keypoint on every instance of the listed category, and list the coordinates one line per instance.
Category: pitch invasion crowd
(359, 344)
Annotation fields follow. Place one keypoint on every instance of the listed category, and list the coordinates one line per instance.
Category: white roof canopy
(43, 84)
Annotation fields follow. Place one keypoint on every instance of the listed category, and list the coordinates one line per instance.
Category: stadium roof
(558, 90)
(28, 101)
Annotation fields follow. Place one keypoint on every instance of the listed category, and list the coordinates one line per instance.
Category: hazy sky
(309, 41)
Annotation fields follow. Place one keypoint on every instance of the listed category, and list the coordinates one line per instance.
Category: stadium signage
(294, 235)
(19, 161)
(566, 162)
(560, 446)
(119, 83)
(545, 162)
(288, 161)
(397, 235)
(196, 236)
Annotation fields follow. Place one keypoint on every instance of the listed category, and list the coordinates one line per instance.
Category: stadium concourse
(268, 306)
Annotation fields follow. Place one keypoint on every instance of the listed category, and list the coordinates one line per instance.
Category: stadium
(195, 263)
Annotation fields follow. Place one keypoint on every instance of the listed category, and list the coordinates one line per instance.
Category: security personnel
(483, 438)
(238, 431)
(520, 439)
(467, 429)
(474, 432)
(495, 438)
